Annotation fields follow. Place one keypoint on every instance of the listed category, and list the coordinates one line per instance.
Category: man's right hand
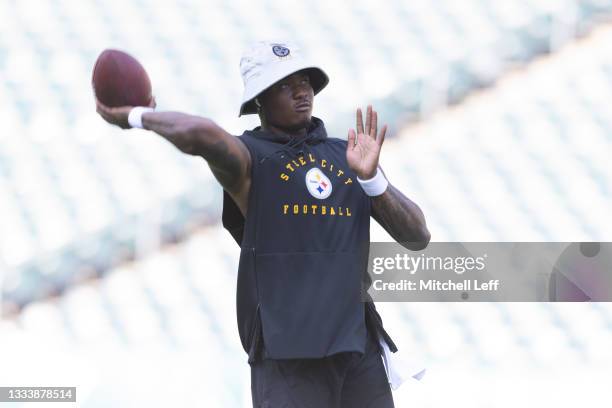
(117, 116)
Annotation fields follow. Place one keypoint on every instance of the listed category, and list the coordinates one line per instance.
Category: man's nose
(300, 91)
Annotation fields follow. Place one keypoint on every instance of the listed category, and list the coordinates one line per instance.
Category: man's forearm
(178, 128)
(401, 218)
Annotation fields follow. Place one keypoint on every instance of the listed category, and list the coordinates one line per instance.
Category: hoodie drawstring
(290, 147)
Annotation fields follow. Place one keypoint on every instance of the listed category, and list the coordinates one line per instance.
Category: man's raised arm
(227, 156)
(399, 216)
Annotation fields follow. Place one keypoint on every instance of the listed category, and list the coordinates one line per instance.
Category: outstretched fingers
(371, 125)
(359, 125)
(368, 126)
(381, 136)
(352, 140)
(374, 126)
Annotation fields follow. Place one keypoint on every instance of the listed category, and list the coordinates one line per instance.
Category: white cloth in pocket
(398, 369)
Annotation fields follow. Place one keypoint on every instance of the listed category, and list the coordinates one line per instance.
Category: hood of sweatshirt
(292, 145)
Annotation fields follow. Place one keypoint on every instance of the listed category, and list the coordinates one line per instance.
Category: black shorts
(340, 381)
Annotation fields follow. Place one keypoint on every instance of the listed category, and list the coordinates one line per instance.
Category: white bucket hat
(266, 63)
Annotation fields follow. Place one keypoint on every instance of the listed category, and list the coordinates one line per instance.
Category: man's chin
(302, 123)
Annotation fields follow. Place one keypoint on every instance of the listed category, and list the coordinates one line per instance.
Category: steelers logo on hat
(318, 184)
(280, 51)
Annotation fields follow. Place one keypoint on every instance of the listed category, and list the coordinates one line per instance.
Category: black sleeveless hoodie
(304, 249)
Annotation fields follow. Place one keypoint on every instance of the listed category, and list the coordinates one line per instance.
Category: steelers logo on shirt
(318, 184)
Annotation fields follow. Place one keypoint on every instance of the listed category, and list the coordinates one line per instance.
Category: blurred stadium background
(115, 273)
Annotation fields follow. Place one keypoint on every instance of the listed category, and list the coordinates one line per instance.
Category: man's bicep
(233, 171)
(230, 161)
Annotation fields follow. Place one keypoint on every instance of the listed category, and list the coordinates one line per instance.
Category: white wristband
(374, 186)
(135, 116)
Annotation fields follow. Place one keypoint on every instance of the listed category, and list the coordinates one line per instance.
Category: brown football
(120, 80)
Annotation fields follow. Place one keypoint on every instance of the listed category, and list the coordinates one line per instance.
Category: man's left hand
(363, 148)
